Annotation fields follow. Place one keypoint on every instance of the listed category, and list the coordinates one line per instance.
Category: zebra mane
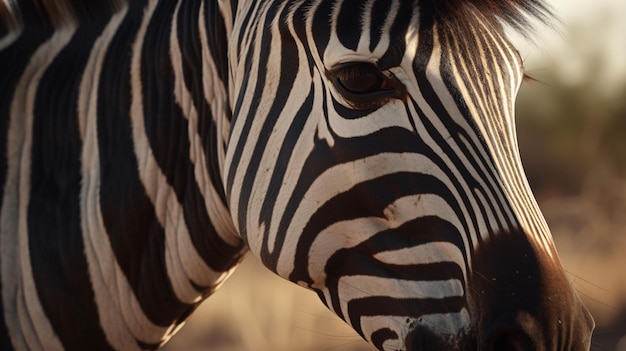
(16, 13)
(518, 14)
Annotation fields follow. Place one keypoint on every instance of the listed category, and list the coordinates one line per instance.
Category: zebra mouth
(423, 338)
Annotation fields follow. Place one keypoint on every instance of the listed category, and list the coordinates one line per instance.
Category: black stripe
(369, 199)
(5, 27)
(397, 46)
(289, 63)
(425, 49)
(217, 39)
(448, 169)
(322, 157)
(380, 11)
(234, 5)
(249, 27)
(351, 113)
(358, 260)
(380, 336)
(298, 20)
(279, 172)
(500, 103)
(348, 23)
(285, 85)
(289, 54)
(287, 149)
(239, 98)
(167, 131)
(33, 16)
(388, 306)
(57, 251)
(136, 237)
(347, 262)
(13, 61)
(457, 131)
(321, 29)
(191, 50)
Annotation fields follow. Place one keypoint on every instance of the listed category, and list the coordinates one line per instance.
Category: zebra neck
(140, 115)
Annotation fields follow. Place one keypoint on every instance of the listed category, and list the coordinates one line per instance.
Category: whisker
(580, 278)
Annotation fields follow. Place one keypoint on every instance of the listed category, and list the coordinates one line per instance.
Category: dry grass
(257, 310)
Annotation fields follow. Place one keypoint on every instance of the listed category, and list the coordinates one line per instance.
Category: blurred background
(572, 134)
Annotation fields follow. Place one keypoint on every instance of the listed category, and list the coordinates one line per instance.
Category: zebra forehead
(515, 13)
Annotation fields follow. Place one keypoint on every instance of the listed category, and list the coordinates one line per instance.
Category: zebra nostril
(509, 340)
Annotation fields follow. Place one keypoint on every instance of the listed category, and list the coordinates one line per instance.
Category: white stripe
(260, 114)
(421, 130)
(12, 20)
(443, 323)
(337, 53)
(341, 178)
(347, 234)
(216, 96)
(392, 114)
(398, 324)
(503, 148)
(433, 252)
(496, 117)
(525, 201)
(120, 314)
(320, 88)
(302, 148)
(435, 79)
(9, 38)
(183, 260)
(385, 30)
(301, 89)
(27, 323)
(354, 287)
(178, 247)
(484, 114)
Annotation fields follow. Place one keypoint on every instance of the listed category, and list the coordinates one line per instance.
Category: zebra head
(373, 159)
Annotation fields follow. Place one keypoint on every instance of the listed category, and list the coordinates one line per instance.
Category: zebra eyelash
(363, 86)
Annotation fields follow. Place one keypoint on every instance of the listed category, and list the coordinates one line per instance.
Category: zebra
(365, 150)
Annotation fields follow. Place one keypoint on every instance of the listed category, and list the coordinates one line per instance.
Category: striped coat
(362, 149)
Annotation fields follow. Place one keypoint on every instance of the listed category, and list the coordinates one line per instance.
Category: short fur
(515, 13)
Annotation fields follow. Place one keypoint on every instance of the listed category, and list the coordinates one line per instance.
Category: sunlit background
(572, 133)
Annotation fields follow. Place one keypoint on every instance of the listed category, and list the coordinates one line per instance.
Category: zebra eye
(359, 78)
(363, 85)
